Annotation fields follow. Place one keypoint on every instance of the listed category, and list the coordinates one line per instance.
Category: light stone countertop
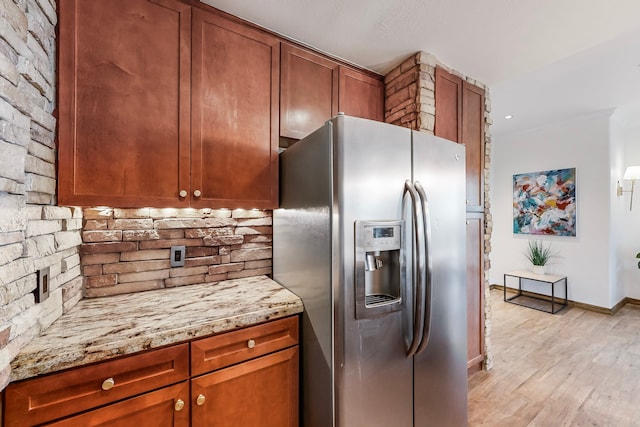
(101, 328)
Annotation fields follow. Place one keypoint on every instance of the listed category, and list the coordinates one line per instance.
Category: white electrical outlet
(178, 254)
(41, 292)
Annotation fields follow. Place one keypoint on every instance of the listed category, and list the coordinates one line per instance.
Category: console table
(551, 279)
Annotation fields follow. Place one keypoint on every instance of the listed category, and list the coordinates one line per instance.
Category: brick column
(409, 93)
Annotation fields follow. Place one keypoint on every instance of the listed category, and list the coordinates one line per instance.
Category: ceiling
(543, 60)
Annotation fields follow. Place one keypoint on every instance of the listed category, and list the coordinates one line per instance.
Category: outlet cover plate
(41, 292)
(178, 254)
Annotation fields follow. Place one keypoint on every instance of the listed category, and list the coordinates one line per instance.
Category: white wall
(629, 222)
(617, 138)
(584, 144)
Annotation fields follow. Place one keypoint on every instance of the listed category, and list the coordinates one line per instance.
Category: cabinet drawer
(209, 354)
(168, 406)
(54, 396)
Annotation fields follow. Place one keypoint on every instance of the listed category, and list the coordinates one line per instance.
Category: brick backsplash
(128, 250)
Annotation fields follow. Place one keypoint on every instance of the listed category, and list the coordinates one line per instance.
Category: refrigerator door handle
(418, 280)
(427, 265)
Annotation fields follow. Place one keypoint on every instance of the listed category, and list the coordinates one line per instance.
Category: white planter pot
(539, 269)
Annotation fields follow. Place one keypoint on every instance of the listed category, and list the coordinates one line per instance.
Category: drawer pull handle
(251, 343)
(200, 400)
(179, 404)
(183, 194)
(197, 193)
(108, 384)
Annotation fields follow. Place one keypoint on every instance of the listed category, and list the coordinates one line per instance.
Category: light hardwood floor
(573, 368)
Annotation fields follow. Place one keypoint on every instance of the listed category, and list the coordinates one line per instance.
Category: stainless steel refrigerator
(370, 234)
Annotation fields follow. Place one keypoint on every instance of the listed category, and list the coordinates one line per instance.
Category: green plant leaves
(539, 254)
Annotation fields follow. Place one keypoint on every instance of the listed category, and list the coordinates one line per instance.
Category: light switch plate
(178, 253)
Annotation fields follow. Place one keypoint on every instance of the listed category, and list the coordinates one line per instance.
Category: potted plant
(539, 255)
(638, 256)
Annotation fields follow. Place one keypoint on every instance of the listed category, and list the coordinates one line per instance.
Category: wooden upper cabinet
(157, 109)
(235, 72)
(448, 91)
(314, 88)
(123, 102)
(308, 91)
(361, 95)
(460, 118)
(473, 138)
(168, 103)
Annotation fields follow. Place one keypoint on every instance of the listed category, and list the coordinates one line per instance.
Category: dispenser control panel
(379, 275)
(382, 236)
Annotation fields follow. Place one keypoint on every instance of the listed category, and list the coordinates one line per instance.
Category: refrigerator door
(373, 376)
(440, 369)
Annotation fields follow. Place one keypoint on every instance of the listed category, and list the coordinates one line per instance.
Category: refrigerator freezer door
(440, 371)
(373, 377)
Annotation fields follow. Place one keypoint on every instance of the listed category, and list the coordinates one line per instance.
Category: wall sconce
(632, 173)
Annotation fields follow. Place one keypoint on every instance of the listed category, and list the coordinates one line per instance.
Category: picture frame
(544, 203)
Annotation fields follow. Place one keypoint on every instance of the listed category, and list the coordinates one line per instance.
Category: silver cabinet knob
(183, 193)
(179, 405)
(108, 384)
(197, 193)
(251, 343)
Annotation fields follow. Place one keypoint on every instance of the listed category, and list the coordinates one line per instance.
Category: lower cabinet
(246, 377)
(268, 386)
(249, 377)
(475, 291)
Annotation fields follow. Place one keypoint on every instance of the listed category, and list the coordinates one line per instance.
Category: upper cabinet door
(460, 118)
(361, 95)
(308, 91)
(235, 72)
(473, 139)
(448, 90)
(123, 102)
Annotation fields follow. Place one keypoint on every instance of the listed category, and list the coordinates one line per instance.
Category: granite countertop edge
(99, 329)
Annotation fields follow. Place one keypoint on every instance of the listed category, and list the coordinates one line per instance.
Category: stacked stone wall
(34, 234)
(410, 93)
(128, 250)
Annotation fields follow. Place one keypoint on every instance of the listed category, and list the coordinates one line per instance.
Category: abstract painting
(545, 202)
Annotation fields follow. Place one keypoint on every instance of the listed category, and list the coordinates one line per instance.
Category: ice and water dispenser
(378, 275)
